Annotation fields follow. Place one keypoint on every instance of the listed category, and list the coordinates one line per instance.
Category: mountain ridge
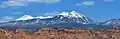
(63, 20)
(71, 16)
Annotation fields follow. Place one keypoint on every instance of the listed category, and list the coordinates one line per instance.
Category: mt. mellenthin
(63, 17)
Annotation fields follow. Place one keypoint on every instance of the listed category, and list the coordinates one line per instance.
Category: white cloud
(48, 1)
(86, 3)
(12, 3)
(109, 0)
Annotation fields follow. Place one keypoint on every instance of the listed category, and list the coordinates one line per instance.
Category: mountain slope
(112, 22)
(25, 17)
(73, 17)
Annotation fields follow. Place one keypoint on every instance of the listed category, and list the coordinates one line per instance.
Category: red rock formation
(60, 33)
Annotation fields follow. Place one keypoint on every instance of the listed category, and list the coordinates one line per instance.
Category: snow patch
(44, 17)
(28, 17)
(25, 17)
(72, 14)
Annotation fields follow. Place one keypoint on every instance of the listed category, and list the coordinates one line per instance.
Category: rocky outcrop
(61, 33)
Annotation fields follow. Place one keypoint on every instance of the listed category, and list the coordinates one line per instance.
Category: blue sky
(98, 10)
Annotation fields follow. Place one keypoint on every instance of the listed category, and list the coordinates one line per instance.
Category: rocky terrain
(61, 33)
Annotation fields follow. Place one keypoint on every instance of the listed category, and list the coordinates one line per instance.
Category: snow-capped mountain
(68, 19)
(62, 20)
(63, 17)
(73, 17)
(112, 22)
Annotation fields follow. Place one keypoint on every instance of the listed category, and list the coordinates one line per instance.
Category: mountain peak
(72, 14)
(25, 17)
(76, 14)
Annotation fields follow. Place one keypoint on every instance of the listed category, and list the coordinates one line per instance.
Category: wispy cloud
(109, 0)
(2, 6)
(12, 3)
(6, 19)
(51, 13)
(39, 1)
(86, 3)
(5, 4)
(18, 13)
(48, 1)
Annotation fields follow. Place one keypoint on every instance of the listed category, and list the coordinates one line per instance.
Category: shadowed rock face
(61, 33)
